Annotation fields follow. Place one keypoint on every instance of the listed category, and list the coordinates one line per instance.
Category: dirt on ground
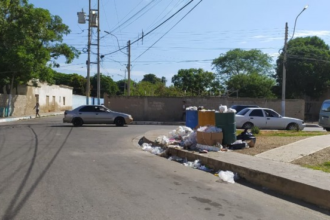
(265, 143)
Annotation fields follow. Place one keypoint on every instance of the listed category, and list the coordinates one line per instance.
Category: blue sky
(211, 29)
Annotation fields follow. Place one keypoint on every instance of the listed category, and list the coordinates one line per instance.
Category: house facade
(51, 98)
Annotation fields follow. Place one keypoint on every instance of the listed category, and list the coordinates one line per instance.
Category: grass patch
(325, 167)
(285, 133)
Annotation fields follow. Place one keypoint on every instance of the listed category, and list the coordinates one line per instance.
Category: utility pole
(88, 86)
(129, 67)
(93, 21)
(98, 55)
(284, 68)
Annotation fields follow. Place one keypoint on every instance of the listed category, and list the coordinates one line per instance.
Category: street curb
(28, 117)
(309, 191)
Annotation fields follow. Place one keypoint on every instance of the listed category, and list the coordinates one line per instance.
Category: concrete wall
(170, 108)
(52, 98)
(78, 100)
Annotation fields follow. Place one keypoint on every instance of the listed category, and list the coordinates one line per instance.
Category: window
(326, 107)
(59, 99)
(63, 100)
(257, 113)
(88, 109)
(270, 113)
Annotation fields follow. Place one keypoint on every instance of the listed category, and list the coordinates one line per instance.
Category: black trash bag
(247, 136)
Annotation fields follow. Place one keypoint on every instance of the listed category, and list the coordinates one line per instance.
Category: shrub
(255, 130)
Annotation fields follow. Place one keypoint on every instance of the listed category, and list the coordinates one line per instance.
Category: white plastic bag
(223, 108)
(162, 140)
(226, 176)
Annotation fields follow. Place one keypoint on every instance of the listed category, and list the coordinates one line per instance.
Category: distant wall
(78, 100)
(170, 108)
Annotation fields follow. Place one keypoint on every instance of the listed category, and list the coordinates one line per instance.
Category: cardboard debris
(210, 139)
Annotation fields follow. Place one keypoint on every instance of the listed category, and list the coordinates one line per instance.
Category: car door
(102, 115)
(87, 114)
(274, 120)
(258, 118)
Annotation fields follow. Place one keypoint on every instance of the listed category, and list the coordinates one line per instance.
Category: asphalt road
(50, 170)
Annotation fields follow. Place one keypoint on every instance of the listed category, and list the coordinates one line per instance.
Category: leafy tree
(239, 61)
(122, 87)
(163, 80)
(61, 78)
(307, 68)
(78, 83)
(195, 81)
(152, 78)
(30, 42)
(107, 85)
(252, 85)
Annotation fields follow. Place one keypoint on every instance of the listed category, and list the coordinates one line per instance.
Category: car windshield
(243, 112)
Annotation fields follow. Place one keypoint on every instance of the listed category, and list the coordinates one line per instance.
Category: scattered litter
(162, 140)
(202, 151)
(207, 147)
(196, 164)
(209, 129)
(154, 150)
(223, 108)
(176, 158)
(180, 132)
(205, 168)
(226, 176)
(247, 137)
(192, 108)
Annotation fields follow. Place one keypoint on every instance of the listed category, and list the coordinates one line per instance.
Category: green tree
(152, 78)
(252, 85)
(61, 78)
(307, 68)
(107, 85)
(239, 61)
(30, 42)
(196, 81)
(78, 83)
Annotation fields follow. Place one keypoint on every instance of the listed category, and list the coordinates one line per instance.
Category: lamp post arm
(295, 22)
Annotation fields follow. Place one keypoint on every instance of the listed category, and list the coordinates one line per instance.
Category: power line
(152, 29)
(133, 16)
(169, 29)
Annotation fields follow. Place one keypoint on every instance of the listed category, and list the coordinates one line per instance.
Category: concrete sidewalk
(296, 150)
(26, 117)
(311, 186)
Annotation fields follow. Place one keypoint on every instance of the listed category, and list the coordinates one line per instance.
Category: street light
(284, 58)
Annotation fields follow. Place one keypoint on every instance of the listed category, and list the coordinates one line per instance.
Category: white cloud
(312, 33)
(305, 33)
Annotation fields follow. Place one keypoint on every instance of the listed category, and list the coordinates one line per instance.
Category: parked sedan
(265, 118)
(95, 114)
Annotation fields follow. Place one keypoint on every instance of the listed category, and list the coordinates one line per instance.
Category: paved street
(50, 170)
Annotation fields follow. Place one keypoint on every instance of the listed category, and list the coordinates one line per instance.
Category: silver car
(265, 118)
(95, 114)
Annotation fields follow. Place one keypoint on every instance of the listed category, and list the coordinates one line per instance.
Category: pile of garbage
(225, 176)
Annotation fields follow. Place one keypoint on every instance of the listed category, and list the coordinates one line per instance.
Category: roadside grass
(325, 167)
(284, 133)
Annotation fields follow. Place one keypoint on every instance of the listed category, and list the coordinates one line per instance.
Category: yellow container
(206, 118)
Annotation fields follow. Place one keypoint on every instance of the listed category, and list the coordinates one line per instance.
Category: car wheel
(120, 122)
(247, 125)
(292, 127)
(77, 122)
